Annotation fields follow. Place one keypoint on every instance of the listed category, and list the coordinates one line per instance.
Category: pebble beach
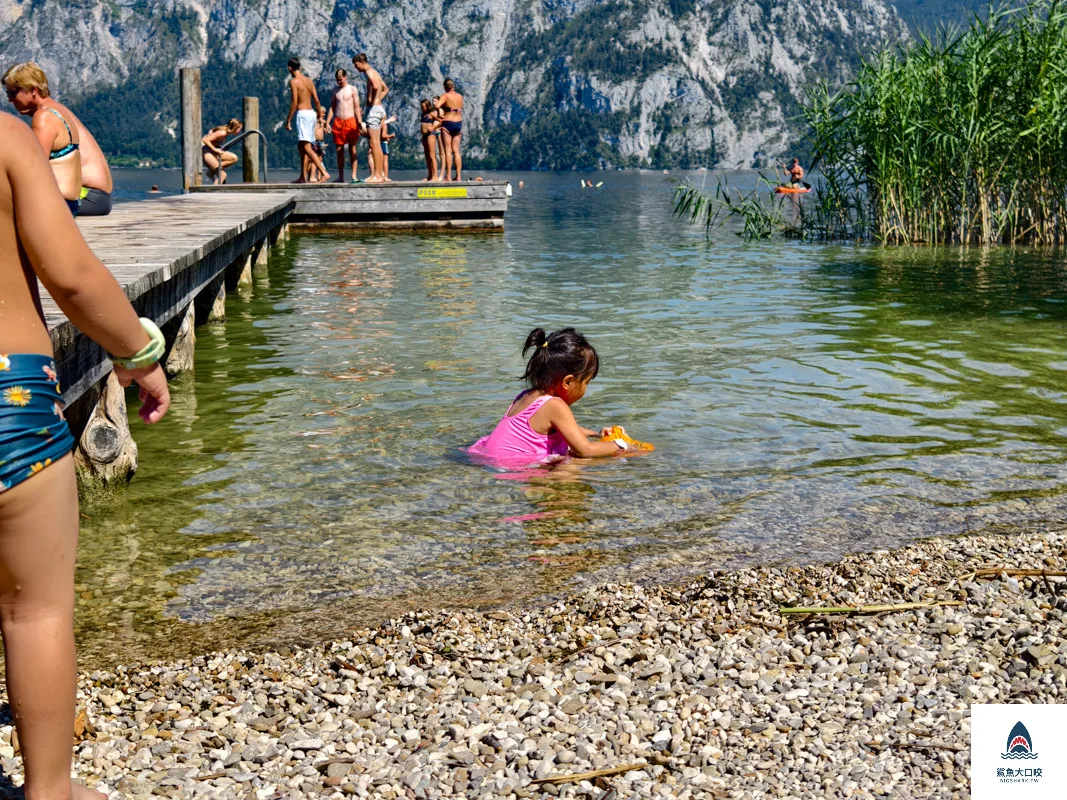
(700, 690)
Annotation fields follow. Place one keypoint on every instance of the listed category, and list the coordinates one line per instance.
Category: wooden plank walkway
(163, 251)
(470, 205)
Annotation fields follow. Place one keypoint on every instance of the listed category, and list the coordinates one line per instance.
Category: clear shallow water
(805, 401)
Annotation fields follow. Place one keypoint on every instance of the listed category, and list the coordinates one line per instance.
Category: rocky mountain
(548, 83)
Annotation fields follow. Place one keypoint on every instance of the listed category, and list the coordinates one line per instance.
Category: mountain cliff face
(548, 83)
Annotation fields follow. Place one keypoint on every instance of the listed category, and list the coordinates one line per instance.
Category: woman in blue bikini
(451, 103)
(38, 495)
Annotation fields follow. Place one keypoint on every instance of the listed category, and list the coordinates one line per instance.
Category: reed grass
(960, 137)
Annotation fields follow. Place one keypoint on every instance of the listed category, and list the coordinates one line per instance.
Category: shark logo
(1020, 745)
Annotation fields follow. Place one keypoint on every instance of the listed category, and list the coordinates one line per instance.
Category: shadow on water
(805, 401)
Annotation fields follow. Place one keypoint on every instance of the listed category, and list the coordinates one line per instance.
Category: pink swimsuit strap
(536, 404)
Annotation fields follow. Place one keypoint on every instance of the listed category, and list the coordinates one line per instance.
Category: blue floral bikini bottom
(33, 432)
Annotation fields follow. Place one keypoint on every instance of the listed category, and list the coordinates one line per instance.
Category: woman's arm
(82, 287)
(45, 128)
(562, 419)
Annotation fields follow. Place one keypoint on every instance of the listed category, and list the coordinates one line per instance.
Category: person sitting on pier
(345, 120)
(38, 492)
(65, 138)
(53, 125)
(215, 158)
(303, 93)
(376, 92)
(451, 104)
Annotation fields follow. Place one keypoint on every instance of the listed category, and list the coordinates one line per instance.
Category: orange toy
(618, 433)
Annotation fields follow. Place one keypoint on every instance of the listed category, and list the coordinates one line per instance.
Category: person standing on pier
(376, 92)
(302, 89)
(38, 493)
(345, 120)
(57, 128)
(451, 105)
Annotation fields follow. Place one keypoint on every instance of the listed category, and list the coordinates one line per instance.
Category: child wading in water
(539, 425)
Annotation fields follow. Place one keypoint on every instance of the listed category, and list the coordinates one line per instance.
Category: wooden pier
(175, 257)
(398, 205)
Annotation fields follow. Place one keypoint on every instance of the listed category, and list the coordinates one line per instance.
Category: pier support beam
(250, 112)
(192, 129)
(106, 454)
(244, 279)
(180, 334)
(211, 302)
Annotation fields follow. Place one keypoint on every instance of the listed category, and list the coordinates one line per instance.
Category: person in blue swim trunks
(38, 494)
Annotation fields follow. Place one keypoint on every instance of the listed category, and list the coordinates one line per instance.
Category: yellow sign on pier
(440, 192)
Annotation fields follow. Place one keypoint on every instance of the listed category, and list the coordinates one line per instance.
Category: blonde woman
(54, 125)
(215, 158)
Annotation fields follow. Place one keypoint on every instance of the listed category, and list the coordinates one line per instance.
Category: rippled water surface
(805, 400)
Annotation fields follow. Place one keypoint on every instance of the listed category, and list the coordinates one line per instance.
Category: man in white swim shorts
(303, 94)
(376, 92)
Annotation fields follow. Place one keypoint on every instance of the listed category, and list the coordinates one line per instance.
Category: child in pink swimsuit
(539, 426)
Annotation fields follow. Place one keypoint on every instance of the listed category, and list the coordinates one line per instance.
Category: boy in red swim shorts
(345, 120)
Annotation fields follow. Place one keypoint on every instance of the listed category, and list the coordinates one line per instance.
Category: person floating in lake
(345, 120)
(539, 425)
(215, 158)
(302, 89)
(376, 92)
(77, 160)
(795, 173)
(38, 492)
(451, 105)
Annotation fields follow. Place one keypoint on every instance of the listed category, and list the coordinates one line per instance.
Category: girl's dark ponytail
(536, 340)
(557, 355)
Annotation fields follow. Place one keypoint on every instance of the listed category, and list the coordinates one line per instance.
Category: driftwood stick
(588, 776)
(914, 746)
(993, 572)
(877, 609)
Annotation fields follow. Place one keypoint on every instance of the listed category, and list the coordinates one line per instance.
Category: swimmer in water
(539, 425)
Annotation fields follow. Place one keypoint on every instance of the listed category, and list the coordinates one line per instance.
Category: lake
(806, 400)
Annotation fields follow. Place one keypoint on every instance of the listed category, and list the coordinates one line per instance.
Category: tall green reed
(960, 137)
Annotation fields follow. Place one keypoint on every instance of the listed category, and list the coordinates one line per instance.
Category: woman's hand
(609, 430)
(154, 394)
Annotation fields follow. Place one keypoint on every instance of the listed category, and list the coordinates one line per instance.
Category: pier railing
(262, 140)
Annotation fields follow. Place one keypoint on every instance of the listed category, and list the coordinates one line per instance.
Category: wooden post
(106, 455)
(192, 128)
(250, 109)
(180, 333)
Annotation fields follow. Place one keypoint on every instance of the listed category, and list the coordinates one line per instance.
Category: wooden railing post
(192, 128)
(250, 110)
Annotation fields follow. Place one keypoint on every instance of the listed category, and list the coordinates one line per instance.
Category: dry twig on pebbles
(578, 777)
(875, 609)
(996, 572)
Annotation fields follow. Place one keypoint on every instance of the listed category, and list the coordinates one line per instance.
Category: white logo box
(1018, 751)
